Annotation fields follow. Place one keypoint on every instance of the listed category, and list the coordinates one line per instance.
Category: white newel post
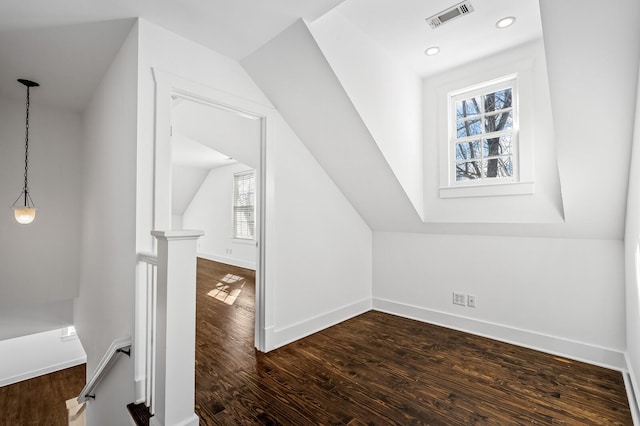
(176, 334)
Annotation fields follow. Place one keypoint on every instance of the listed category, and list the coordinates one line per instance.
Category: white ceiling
(67, 61)
(189, 153)
(66, 45)
(400, 27)
(206, 136)
(234, 28)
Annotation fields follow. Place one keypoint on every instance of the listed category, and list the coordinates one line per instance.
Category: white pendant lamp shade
(24, 215)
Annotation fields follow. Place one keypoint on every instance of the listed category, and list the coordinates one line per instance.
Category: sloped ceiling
(592, 66)
(68, 61)
(297, 78)
(66, 45)
(205, 138)
(589, 71)
(233, 28)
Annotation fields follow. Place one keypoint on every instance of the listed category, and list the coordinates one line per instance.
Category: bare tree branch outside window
(483, 140)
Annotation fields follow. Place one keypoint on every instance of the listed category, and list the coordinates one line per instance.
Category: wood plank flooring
(378, 369)
(41, 400)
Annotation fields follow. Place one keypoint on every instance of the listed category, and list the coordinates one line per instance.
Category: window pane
(498, 167)
(505, 167)
(497, 100)
(468, 150)
(468, 170)
(497, 146)
(498, 122)
(244, 196)
(469, 128)
(468, 107)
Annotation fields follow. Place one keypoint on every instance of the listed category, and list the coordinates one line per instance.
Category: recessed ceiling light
(434, 50)
(505, 22)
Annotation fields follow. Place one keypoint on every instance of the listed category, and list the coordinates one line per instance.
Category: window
(68, 333)
(244, 201)
(483, 124)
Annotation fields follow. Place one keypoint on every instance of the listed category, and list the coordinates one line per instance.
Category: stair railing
(145, 338)
(118, 346)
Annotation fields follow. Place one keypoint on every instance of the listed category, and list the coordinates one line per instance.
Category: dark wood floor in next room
(41, 400)
(379, 369)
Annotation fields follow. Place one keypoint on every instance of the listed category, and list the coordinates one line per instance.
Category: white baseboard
(139, 385)
(578, 351)
(42, 371)
(633, 391)
(190, 421)
(286, 335)
(229, 261)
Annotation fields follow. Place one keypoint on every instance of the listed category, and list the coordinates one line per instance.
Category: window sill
(494, 190)
(243, 241)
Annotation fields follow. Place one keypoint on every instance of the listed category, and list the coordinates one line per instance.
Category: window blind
(244, 200)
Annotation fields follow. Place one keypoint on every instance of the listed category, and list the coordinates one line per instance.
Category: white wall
(39, 262)
(312, 259)
(31, 356)
(632, 258)
(104, 310)
(185, 182)
(211, 210)
(25, 320)
(323, 259)
(386, 93)
(171, 53)
(558, 295)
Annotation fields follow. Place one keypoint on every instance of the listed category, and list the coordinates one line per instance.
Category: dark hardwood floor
(375, 369)
(378, 369)
(41, 400)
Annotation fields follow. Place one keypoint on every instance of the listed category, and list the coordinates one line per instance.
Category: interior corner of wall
(418, 205)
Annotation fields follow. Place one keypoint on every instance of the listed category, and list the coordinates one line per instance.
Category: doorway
(226, 123)
(215, 154)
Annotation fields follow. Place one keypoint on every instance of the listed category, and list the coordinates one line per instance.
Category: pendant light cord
(26, 153)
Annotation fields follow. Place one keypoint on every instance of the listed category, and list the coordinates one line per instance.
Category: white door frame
(168, 85)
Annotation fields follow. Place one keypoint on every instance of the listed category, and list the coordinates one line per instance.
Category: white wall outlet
(471, 301)
(459, 299)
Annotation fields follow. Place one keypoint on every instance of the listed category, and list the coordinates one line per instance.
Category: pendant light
(23, 208)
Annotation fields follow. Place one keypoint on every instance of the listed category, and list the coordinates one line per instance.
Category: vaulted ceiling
(66, 45)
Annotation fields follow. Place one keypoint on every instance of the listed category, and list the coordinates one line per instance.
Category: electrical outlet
(471, 301)
(459, 299)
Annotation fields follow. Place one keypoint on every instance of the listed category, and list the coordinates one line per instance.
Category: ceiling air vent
(447, 15)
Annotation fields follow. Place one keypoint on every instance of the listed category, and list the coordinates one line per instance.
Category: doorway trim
(168, 85)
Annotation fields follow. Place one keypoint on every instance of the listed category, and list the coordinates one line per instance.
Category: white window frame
(523, 182)
(234, 226)
(508, 82)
